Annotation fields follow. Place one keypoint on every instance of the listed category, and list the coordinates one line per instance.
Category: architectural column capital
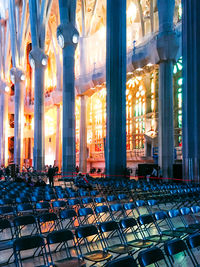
(67, 35)
(17, 75)
(37, 58)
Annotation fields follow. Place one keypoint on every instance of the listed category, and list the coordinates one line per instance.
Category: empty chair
(129, 209)
(25, 225)
(163, 224)
(86, 216)
(132, 234)
(65, 240)
(68, 218)
(58, 205)
(174, 247)
(24, 208)
(111, 229)
(111, 198)
(29, 243)
(150, 229)
(6, 237)
(151, 256)
(42, 207)
(74, 202)
(117, 211)
(178, 223)
(102, 213)
(99, 200)
(193, 242)
(87, 201)
(94, 250)
(7, 211)
(48, 222)
(127, 261)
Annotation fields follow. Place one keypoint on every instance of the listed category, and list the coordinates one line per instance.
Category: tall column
(167, 46)
(19, 123)
(39, 134)
(83, 137)
(4, 129)
(83, 125)
(116, 88)
(39, 13)
(58, 136)
(17, 78)
(191, 92)
(68, 36)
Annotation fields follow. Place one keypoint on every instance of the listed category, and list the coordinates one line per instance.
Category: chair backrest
(175, 246)
(99, 200)
(101, 209)
(185, 210)
(87, 200)
(140, 203)
(129, 206)
(116, 207)
(59, 236)
(74, 201)
(195, 209)
(59, 204)
(127, 223)
(150, 256)
(193, 241)
(108, 226)
(174, 213)
(67, 214)
(42, 205)
(146, 219)
(86, 231)
(85, 212)
(24, 220)
(122, 196)
(47, 217)
(111, 198)
(160, 215)
(127, 261)
(24, 207)
(28, 242)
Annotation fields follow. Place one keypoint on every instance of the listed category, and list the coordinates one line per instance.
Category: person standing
(50, 175)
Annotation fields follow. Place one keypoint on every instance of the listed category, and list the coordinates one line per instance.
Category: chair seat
(159, 238)
(172, 233)
(140, 243)
(120, 249)
(97, 256)
(6, 245)
(70, 262)
(186, 230)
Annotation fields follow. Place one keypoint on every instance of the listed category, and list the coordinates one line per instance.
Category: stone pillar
(38, 61)
(68, 36)
(83, 125)
(116, 88)
(167, 46)
(191, 92)
(17, 77)
(83, 137)
(4, 129)
(58, 136)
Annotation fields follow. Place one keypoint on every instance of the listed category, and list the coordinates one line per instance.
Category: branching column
(191, 90)
(68, 36)
(116, 88)
(167, 45)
